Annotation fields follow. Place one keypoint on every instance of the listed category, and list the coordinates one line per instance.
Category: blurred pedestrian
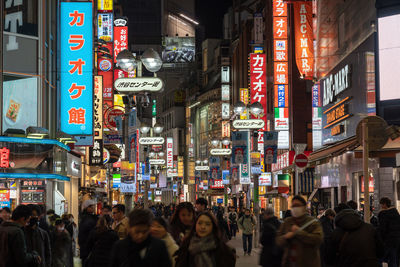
(223, 226)
(139, 248)
(232, 218)
(327, 223)
(353, 242)
(159, 229)
(121, 222)
(300, 236)
(204, 246)
(5, 214)
(37, 239)
(106, 210)
(88, 221)
(389, 228)
(61, 246)
(100, 243)
(201, 205)
(271, 255)
(247, 223)
(182, 221)
(13, 251)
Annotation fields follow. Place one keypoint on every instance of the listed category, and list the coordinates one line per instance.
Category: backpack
(232, 217)
(3, 247)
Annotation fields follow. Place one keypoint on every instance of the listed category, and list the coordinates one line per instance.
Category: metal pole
(296, 185)
(365, 171)
(128, 196)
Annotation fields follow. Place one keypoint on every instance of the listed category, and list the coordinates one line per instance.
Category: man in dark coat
(389, 228)
(139, 249)
(271, 254)
(353, 243)
(326, 221)
(88, 221)
(13, 252)
(37, 239)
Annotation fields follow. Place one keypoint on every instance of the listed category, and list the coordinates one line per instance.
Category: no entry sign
(301, 160)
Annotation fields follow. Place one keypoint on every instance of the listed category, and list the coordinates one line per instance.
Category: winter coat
(61, 244)
(12, 234)
(327, 227)
(271, 254)
(99, 245)
(246, 224)
(87, 224)
(179, 232)
(38, 240)
(305, 243)
(223, 256)
(121, 228)
(389, 227)
(127, 253)
(233, 217)
(354, 243)
(172, 247)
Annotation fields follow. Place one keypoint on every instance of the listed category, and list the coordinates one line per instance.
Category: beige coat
(121, 227)
(172, 247)
(307, 242)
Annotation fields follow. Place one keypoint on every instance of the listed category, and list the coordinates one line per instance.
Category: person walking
(5, 214)
(100, 243)
(271, 254)
(300, 236)
(353, 242)
(247, 223)
(182, 221)
(204, 246)
(327, 223)
(61, 244)
(232, 218)
(389, 229)
(13, 251)
(159, 229)
(37, 239)
(223, 226)
(88, 221)
(121, 222)
(139, 248)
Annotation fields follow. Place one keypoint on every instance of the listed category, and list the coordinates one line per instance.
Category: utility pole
(128, 196)
(365, 171)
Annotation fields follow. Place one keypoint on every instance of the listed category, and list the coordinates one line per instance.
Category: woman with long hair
(182, 221)
(204, 246)
(100, 242)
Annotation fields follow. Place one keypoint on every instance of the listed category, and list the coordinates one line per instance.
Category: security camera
(145, 101)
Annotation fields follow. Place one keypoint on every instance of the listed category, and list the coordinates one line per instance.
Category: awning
(47, 176)
(334, 150)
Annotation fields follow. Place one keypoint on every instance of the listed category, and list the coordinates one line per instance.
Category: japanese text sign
(105, 26)
(280, 27)
(96, 153)
(258, 82)
(76, 57)
(105, 5)
(98, 106)
(279, 8)
(120, 40)
(4, 157)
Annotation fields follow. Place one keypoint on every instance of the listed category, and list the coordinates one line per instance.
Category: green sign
(154, 109)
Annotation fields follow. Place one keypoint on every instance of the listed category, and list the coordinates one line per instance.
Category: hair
(120, 208)
(51, 212)
(140, 217)
(103, 224)
(340, 207)
(269, 212)
(330, 212)
(36, 208)
(58, 222)
(202, 201)
(22, 211)
(385, 201)
(161, 221)
(352, 204)
(7, 209)
(175, 221)
(108, 207)
(215, 231)
(300, 199)
(246, 210)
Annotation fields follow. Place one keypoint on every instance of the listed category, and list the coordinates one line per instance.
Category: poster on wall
(240, 151)
(178, 49)
(20, 103)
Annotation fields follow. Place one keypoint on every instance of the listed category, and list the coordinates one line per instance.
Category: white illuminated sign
(130, 85)
(220, 151)
(151, 140)
(248, 124)
(202, 168)
(335, 84)
(157, 161)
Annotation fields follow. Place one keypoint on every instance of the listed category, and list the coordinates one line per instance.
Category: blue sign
(76, 61)
(220, 200)
(316, 96)
(225, 177)
(146, 177)
(281, 96)
(256, 169)
(174, 188)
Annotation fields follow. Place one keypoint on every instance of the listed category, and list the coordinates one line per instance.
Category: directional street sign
(220, 151)
(202, 168)
(157, 161)
(248, 124)
(151, 140)
(135, 85)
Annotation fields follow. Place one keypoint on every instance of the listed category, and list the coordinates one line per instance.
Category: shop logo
(120, 22)
(105, 65)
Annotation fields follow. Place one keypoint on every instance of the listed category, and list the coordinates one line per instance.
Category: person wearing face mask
(204, 246)
(300, 236)
(37, 239)
(61, 246)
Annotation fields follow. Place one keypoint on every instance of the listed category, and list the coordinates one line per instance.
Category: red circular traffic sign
(110, 115)
(301, 160)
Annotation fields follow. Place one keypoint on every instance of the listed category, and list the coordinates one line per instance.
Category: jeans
(233, 230)
(247, 243)
(391, 257)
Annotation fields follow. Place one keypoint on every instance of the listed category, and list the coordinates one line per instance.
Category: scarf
(200, 248)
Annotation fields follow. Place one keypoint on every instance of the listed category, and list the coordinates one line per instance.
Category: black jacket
(389, 226)
(327, 227)
(271, 254)
(126, 253)
(61, 245)
(38, 240)
(354, 243)
(87, 224)
(17, 255)
(99, 245)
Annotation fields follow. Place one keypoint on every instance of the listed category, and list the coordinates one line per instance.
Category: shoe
(244, 254)
(249, 254)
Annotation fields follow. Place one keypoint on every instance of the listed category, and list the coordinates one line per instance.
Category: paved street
(244, 261)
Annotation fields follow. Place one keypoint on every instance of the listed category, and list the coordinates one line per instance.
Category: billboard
(178, 49)
(120, 40)
(105, 26)
(20, 103)
(258, 82)
(76, 75)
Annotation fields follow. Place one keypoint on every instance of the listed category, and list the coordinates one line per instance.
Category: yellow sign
(244, 97)
(118, 100)
(105, 5)
(262, 190)
(191, 169)
(180, 167)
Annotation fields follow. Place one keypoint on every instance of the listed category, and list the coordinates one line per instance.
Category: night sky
(210, 14)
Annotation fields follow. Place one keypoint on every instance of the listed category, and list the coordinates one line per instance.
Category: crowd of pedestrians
(196, 235)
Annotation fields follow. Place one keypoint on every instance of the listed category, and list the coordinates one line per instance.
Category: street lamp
(215, 142)
(256, 109)
(126, 61)
(151, 60)
(226, 141)
(158, 128)
(198, 162)
(239, 108)
(205, 162)
(144, 129)
(161, 154)
(152, 154)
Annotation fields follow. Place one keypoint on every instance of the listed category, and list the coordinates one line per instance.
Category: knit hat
(87, 203)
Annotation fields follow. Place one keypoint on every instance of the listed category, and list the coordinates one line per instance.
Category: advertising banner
(235, 174)
(76, 59)
(281, 119)
(214, 172)
(304, 38)
(98, 106)
(120, 40)
(265, 179)
(178, 49)
(170, 152)
(258, 82)
(244, 174)
(96, 153)
(244, 97)
(105, 26)
(225, 110)
(270, 147)
(240, 150)
(105, 5)
(225, 177)
(283, 183)
(225, 92)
